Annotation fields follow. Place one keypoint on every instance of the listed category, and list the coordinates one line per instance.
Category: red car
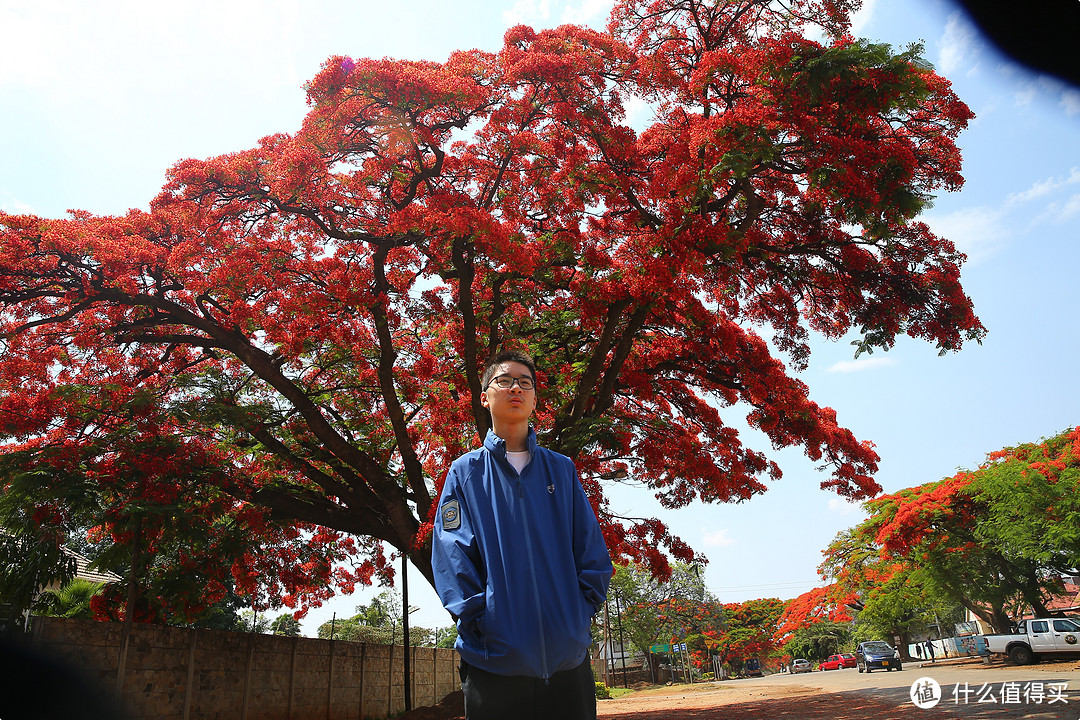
(835, 662)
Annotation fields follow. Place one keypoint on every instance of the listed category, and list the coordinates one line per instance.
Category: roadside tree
(888, 599)
(817, 623)
(748, 631)
(655, 610)
(285, 624)
(379, 621)
(445, 637)
(995, 540)
(816, 641)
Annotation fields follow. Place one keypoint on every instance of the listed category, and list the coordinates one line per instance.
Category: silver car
(800, 666)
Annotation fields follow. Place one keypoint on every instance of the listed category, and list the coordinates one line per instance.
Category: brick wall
(185, 674)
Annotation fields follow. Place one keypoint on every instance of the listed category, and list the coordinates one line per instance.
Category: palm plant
(72, 600)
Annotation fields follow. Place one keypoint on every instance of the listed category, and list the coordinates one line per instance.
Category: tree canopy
(380, 621)
(816, 641)
(286, 343)
(656, 611)
(681, 609)
(996, 540)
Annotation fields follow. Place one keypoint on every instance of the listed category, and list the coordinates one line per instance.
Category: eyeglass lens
(506, 382)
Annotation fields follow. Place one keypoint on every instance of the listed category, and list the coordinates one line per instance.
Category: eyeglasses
(505, 382)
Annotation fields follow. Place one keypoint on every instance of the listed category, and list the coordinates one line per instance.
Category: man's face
(511, 404)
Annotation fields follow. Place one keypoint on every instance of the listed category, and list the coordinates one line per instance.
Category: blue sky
(99, 99)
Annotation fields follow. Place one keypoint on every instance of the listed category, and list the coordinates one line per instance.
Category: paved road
(967, 690)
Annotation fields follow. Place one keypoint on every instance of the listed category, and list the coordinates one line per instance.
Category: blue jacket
(519, 561)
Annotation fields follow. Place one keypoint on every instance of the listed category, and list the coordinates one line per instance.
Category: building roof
(84, 571)
(1068, 599)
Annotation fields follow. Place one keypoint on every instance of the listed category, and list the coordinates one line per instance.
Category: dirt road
(972, 690)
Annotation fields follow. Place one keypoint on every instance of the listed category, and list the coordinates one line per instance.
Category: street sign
(660, 648)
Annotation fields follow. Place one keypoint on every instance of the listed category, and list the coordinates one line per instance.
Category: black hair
(504, 357)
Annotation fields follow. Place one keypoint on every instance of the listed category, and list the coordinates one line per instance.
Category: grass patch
(647, 690)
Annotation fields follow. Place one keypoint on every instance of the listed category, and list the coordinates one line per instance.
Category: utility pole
(622, 640)
(405, 629)
(607, 646)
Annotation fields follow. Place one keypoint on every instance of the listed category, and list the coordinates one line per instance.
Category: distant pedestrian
(918, 650)
(930, 650)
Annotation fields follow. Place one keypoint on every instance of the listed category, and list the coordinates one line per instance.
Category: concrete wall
(185, 674)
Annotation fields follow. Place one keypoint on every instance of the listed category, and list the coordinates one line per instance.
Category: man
(520, 563)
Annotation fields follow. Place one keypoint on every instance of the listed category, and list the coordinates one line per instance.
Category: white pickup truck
(1040, 636)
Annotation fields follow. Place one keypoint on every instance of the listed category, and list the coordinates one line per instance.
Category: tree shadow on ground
(876, 704)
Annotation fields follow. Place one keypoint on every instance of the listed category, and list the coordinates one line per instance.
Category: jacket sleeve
(590, 551)
(456, 562)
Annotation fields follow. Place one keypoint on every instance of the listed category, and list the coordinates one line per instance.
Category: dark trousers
(567, 695)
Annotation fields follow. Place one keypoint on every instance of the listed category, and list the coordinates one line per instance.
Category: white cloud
(863, 17)
(639, 113)
(1026, 94)
(1053, 211)
(539, 13)
(1056, 213)
(528, 12)
(1070, 102)
(593, 13)
(11, 204)
(1042, 188)
(957, 44)
(1071, 208)
(977, 232)
(109, 53)
(841, 506)
(870, 363)
(718, 538)
(1031, 86)
(15, 207)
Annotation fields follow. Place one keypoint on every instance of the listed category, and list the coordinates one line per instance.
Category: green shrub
(602, 692)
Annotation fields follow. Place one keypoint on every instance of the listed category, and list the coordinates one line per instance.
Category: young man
(520, 563)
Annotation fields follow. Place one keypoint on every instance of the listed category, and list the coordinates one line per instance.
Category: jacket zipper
(536, 585)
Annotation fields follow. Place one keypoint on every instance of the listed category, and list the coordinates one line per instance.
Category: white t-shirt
(518, 459)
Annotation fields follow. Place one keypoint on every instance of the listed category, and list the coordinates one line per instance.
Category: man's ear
(483, 398)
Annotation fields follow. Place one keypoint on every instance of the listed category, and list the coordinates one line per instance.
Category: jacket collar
(497, 445)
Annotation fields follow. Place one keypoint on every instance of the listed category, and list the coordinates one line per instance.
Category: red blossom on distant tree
(829, 603)
(995, 539)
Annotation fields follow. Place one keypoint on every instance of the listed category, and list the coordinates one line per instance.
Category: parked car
(1038, 636)
(877, 654)
(831, 663)
(800, 666)
(840, 660)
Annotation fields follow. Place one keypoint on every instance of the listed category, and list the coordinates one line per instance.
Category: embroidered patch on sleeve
(451, 515)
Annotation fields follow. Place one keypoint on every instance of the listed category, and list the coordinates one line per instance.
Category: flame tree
(996, 540)
(287, 341)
